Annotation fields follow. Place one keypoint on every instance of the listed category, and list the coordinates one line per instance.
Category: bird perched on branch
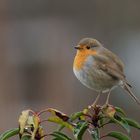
(99, 69)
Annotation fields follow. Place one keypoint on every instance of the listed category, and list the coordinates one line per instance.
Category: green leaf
(80, 129)
(40, 132)
(76, 115)
(9, 134)
(26, 137)
(35, 125)
(60, 121)
(95, 134)
(132, 123)
(23, 119)
(109, 111)
(59, 114)
(60, 136)
(121, 121)
(119, 110)
(73, 117)
(85, 112)
(118, 135)
(103, 121)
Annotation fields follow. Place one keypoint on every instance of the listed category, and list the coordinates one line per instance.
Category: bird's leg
(96, 100)
(107, 100)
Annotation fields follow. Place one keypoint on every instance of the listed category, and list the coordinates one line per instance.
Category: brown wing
(114, 58)
(114, 73)
(110, 63)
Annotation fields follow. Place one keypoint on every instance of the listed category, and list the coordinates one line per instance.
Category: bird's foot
(93, 105)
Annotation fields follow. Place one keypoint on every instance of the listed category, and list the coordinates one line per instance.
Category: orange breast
(79, 61)
(81, 57)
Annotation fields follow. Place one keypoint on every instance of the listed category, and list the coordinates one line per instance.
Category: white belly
(94, 78)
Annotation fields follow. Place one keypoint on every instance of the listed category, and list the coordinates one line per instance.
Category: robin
(99, 69)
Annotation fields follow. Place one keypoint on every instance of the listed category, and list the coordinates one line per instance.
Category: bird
(100, 69)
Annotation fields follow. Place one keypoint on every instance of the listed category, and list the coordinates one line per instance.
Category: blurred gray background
(36, 53)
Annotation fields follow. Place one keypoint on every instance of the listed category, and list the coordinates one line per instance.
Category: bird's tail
(127, 88)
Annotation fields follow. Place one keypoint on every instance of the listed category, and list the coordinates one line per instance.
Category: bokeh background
(36, 53)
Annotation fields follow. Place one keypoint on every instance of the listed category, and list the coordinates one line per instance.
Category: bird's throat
(80, 59)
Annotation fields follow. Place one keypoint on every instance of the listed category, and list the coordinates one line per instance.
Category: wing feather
(110, 63)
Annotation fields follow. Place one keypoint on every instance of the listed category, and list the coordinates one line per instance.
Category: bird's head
(88, 46)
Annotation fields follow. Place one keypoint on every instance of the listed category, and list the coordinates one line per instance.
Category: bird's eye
(88, 47)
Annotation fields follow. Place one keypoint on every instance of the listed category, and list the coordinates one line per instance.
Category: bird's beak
(77, 47)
